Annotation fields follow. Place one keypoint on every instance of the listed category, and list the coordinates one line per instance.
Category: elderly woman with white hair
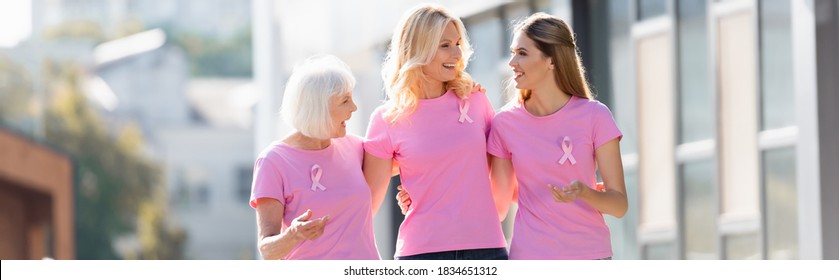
(310, 195)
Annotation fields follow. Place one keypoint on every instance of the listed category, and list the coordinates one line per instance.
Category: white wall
(222, 227)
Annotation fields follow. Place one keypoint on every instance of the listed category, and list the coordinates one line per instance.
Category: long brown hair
(555, 39)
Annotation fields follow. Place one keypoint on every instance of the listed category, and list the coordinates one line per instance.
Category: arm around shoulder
(503, 182)
(377, 172)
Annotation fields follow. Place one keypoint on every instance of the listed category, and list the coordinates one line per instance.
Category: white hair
(306, 98)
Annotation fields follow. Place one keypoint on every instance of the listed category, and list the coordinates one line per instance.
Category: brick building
(36, 200)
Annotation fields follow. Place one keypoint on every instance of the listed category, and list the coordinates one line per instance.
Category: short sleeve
(378, 142)
(356, 144)
(488, 112)
(604, 128)
(267, 182)
(495, 145)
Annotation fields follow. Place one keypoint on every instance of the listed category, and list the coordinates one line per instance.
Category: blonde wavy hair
(555, 39)
(414, 44)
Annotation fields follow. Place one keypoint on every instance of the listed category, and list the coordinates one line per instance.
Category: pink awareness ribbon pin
(316, 172)
(567, 147)
(463, 110)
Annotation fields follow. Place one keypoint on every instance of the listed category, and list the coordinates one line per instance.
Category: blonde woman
(549, 142)
(310, 196)
(435, 127)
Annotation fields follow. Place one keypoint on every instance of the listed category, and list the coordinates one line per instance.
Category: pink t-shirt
(544, 228)
(290, 175)
(443, 165)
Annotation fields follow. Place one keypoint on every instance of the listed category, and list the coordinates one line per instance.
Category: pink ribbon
(464, 108)
(567, 147)
(316, 172)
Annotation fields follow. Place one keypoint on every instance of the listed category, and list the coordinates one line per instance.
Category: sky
(15, 21)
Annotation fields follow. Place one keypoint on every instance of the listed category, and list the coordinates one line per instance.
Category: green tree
(116, 185)
(213, 57)
(127, 27)
(15, 90)
(75, 30)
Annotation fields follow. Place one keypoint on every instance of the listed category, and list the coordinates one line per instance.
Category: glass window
(513, 14)
(485, 35)
(696, 118)
(204, 195)
(781, 203)
(624, 230)
(742, 246)
(776, 64)
(593, 43)
(700, 212)
(623, 74)
(659, 251)
(244, 181)
(651, 8)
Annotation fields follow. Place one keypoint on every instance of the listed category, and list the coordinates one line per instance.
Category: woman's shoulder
(381, 109)
(480, 98)
(507, 113)
(595, 106)
(511, 108)
(352, 139)
(272, 152)
(477, 94)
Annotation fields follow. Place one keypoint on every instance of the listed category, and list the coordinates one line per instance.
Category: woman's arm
(274, 244)
(613, 200)
(377, 172)
(503, 182)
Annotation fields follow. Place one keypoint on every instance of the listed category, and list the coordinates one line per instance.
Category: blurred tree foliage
(128, 26)
(118, 189)
(90, 30)
(75, 30)
(215, 57)
(209, 56)
(15, 90)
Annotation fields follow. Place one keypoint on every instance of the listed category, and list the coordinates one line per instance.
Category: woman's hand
(568, 193)
(403, 199)
(304, 229)
(275, 243)
(478, 87)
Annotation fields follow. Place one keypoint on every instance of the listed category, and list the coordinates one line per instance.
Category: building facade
(198, 128)
(36, 201)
